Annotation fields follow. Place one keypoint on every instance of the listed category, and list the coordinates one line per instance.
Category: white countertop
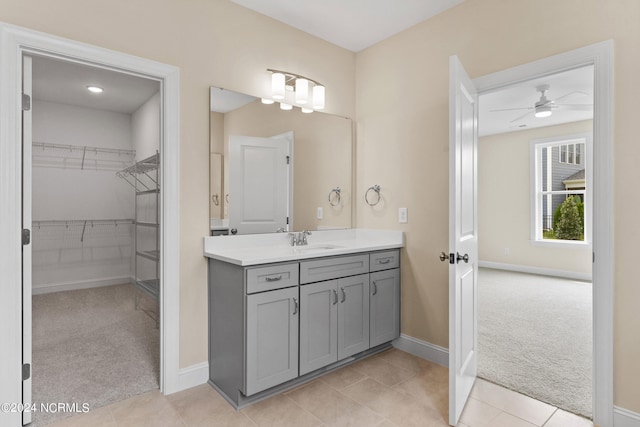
(253, 249)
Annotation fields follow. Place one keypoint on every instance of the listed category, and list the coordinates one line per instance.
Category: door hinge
(288, 159)
(26, 102)
(452, 258)
(26, 236)
(26, 371)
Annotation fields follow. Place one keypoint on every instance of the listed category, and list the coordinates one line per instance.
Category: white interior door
(463, 239)
(26, 245)
(258, 184)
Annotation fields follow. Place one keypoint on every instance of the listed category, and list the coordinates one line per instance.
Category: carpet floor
(91, 346)
(535, 337)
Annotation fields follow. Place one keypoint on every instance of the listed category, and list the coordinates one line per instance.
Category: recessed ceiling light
(95, 89)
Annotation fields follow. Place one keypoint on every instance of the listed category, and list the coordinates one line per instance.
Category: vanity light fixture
(284, 106)
(318, 97)
(306, 91)
(302, 91)
(306, 110)
(95, 89)
(267, 101)
(277, 85)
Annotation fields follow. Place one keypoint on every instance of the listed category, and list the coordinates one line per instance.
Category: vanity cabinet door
(271, 339)
(318, 325)
(353, 315)
(384, 306)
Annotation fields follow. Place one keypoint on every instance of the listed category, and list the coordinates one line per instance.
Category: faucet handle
(293, 240)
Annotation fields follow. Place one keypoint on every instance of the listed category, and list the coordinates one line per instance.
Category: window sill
(561, 243)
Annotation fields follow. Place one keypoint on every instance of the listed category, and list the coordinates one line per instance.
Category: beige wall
(402, 101)
(504, 203)
(214, 42)
(321, 153)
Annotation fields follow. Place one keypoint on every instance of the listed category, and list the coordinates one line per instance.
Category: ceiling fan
(544, 106)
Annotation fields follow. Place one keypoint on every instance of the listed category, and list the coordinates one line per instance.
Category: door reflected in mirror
(276, 189)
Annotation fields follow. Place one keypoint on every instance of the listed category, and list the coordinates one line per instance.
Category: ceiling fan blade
(511, 109)
(571, 93)
(520, 117)
(576, 107)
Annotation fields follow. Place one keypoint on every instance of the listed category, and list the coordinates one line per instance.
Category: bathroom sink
(314, 248)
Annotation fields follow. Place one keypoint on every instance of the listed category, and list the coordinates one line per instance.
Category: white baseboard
(48, 288)
(425, 350)
(625, 418)
(191, 376)
(536, 270)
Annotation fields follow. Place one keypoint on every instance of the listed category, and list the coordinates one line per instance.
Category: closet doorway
(96, 225)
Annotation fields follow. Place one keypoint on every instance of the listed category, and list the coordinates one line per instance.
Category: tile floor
(392, 389)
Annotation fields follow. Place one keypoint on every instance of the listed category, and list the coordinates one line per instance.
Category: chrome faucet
(299, 239)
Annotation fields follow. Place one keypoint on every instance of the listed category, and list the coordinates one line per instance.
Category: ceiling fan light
(544, 111)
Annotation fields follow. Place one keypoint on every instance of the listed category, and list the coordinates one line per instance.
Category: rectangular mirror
(281, 170)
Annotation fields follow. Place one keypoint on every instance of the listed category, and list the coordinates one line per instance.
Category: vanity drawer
(267, 278)
(333, 268)
(385, 260)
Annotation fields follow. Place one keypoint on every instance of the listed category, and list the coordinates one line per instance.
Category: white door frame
(601, 56)
(14, 41)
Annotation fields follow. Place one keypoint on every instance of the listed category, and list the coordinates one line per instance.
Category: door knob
(464, 258)
(444, 257)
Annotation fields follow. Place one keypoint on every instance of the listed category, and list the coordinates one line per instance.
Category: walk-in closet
(95, 203)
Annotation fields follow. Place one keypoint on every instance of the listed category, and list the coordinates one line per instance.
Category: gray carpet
(535, 337)
(91, 346)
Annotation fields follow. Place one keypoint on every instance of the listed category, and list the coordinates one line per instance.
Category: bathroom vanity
(281, 315)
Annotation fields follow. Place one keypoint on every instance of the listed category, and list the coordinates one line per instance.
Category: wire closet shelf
(83, 157)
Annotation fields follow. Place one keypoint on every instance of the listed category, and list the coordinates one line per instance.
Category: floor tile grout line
(550, 416)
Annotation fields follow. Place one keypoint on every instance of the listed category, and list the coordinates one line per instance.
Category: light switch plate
(403, 215)
(320, 213)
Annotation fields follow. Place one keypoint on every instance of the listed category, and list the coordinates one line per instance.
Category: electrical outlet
(403, 215)
(320, 213)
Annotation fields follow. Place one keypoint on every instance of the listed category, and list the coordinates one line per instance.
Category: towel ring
(336, 199)
(376, 189)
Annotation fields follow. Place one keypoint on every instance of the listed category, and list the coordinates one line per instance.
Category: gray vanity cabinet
(272, 339)
(334, 321)
(318, 325)
(384, 306)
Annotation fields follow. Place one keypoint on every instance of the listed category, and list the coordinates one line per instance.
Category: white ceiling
(66, 82)
(524, 96)
(351, 24)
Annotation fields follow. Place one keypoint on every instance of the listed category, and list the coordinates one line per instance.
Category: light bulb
(302, 91)
(306, 110)
(277, 85)
(267, 101)
(318, 97)
(284, 106)
(95, 89)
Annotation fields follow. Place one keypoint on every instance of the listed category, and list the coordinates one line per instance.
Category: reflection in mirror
(319, 148)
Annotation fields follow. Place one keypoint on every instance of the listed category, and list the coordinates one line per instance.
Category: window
(571, 153)
(560, 190)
